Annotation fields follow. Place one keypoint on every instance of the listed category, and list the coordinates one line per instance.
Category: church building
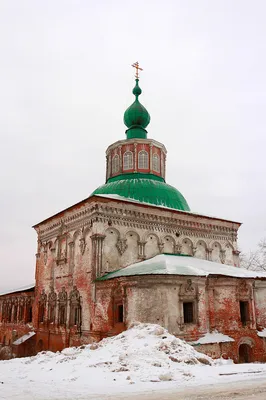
(134, 251)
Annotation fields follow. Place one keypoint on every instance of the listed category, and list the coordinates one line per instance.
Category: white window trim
(156, 163)
(115, 164)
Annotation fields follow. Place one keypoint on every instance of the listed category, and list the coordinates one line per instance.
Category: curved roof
(136, 117)
(173, 264)
(146, 188)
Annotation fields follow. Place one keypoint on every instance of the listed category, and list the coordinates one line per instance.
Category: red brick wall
(14, 328)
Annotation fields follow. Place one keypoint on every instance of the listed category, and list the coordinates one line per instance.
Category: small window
(143, 160)
(127, 160)
(188, 312)
(29, 315)
(115, 164)
(120, 313)
(156, 163)
(244, 312)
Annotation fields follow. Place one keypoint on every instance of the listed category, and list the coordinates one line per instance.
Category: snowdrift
(145, 352)
(145, 357)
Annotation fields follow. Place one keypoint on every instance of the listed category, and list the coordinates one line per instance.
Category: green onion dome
(136, 117)
(145, 188)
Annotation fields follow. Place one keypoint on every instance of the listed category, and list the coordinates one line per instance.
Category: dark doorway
(244, 353)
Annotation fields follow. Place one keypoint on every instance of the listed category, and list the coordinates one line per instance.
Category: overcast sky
(66, 80)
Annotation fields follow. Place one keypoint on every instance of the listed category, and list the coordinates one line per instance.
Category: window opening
(30, 315)
(128, 160)
(188, 313)
(156, 163)
(143, 160)
(115, 164)
(244, 312)
(75, 308)
(120, 313)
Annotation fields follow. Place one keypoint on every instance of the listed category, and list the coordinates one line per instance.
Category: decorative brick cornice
(130, 216)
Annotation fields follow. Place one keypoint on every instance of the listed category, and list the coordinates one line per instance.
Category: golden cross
(136, 65)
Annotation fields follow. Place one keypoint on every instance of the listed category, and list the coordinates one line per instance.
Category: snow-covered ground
(146, 357)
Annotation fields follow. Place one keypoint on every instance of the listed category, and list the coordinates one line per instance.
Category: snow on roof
(20, 289)
(128, 199)
(262, 333)
(213, 337)
(171, 264)
(23, 338)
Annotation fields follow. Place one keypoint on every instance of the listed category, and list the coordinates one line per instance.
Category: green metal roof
(146, 188)
(173, 264)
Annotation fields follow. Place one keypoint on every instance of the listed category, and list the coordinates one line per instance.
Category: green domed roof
(136, 117)
(145, 188)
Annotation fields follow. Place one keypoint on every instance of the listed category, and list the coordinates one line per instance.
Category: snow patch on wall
(23, 338)
(214, 337)
(262, 333)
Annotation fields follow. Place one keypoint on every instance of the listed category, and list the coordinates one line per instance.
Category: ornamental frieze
(138, 220)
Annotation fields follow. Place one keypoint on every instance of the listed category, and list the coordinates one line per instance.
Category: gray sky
(66, 79)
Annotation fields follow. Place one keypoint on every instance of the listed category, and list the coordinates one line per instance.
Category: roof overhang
(119, 199)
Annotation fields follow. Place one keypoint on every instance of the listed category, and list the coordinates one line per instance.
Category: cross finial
(136, 65)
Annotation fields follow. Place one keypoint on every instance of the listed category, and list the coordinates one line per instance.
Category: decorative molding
(62, 257)
(62, 296)
(97, 254)
(160, 246)
(128, 216)
(82, 245)
(222, 256)
(178, 248)
(188, 291)
(243, 291)
(141, 248)
(121, 245)
(45, 257)
(43, 297)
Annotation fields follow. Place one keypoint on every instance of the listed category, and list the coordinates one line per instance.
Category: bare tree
(255, 260)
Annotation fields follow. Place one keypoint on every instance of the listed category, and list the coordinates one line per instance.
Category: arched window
(115, 164)
(156, 163)
(127, 160)
(52, 299)
(143, 160)
(62, 307)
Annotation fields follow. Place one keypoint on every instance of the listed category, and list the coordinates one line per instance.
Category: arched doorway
(244, 353)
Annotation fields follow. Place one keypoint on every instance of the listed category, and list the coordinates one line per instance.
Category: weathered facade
(101, 235)
(133, 217)
(16, 319)
(190, 301)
